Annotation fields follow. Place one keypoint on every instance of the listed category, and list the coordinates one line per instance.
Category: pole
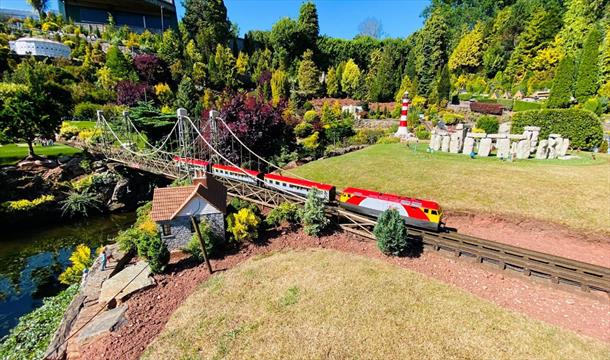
(205, 254)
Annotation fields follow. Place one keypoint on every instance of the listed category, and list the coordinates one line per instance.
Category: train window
(426, 211)
(434, 212)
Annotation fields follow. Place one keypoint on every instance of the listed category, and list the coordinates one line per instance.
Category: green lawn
(10, 154)
(323, 304)
(570, 192)
(82, 125)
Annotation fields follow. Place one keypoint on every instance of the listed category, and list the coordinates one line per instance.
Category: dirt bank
(149, 311)
(548, 238)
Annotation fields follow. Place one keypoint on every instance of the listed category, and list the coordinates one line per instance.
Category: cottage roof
(169, 201)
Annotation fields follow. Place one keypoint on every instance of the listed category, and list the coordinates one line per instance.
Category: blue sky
(338, 18)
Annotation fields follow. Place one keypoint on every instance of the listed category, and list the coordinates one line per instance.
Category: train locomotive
(415, 212)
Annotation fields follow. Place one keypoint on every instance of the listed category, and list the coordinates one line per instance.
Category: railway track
(556, 269)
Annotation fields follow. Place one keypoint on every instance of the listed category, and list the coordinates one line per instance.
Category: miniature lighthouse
(403, 132)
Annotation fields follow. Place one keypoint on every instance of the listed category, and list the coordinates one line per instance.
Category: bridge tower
(184, 140)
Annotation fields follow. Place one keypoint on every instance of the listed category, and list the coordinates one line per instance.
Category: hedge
(582, 127)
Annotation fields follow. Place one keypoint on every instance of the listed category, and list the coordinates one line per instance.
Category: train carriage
(235, 173)
(420, 213)
(299, 186)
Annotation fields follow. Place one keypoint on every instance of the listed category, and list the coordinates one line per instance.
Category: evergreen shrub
(312, 215)
(391, 233)
(488, 123)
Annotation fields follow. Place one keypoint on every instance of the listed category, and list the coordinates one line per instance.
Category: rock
(542, 150)
(552, 151)
(455, 143)
(445, 143)
(36, 165)
(435, 142)
(291, 165)
(504, 128)
(64, 159)
(484, 147)
(104, 323)
(563, 150)
(119, 194)
(476, 135)
(468, 145)
(503, 148)
(523, 149)
(497, 136)
(140, 273)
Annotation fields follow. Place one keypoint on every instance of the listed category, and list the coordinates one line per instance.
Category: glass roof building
(139, 15)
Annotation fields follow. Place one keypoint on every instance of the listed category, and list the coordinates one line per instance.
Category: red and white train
(416, 212)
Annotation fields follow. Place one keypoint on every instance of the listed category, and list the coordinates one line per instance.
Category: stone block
(140, 273)
(542, 150)
(516, 136)
(476, 135)
(532, 128)
(497, 136)
(455, 144)
(435, 142)
(468, 145)
(484, 147)
(552, 150)
(104, 323)
(523, 149)
(503, 148)
(445, 143)
(563, 150)
(554, 136)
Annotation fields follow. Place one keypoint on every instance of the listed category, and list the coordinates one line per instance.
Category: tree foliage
(350, 79)
(432, 47)
(312, 215)
(468, 54)
(308, 24)
(80, 259)
(561, 92)
(280, 87)
(587, 80)
(243, 225)
(391, 233)
(309, 75)
(332, 83)
(206, 22)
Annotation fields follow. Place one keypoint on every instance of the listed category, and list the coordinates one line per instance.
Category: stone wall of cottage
(181, 229)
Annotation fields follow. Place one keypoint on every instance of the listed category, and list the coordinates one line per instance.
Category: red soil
(150, 310)
(535, 235)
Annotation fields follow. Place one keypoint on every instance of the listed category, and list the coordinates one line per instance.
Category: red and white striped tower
(403, 132)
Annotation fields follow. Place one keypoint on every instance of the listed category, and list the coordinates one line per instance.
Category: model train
(415, 212)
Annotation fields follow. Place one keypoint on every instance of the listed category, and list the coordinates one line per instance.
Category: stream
(31, 259)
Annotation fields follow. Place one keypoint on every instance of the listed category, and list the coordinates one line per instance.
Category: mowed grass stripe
(10, 154)
(568, 192)
(317, 304)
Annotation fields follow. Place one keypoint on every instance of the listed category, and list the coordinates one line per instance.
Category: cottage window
(167, 229)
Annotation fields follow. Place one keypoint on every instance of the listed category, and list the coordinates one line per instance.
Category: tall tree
(444, 84)
(279, 86)
(309, 75)
(118, 65)
(587, 80)
(431, 52)
(386, 77)
(577, 20)
(605, 57)
(371, 27)
(467, 55)
(206, 21)
(40, 6)
(350, 79)
(332, 83)
(561, 92)
(308, 24)
(186, 96)
(285, 35)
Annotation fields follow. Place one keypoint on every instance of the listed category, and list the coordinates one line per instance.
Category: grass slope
(318, 304)
(10, 154)
(573, 193)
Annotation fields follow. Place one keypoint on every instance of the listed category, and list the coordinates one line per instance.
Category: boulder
(542, 150)
(563, 150)
(126, 282)
(455, 143)
(503, 148)
(102, 324)
(445, 143)
(523, 149)
(468, 145)
(484, 147)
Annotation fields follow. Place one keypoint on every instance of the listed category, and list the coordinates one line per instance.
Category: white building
(39, 47)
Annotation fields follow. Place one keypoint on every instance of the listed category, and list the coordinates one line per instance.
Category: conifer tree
(308, 24)
(350, 80)
(309, 75)
(431, 52)
(444, 84)
(206, 21)
(279, 86)
(119, 67)
(186, 96)
(332, 84)
(467, 55)
(605, 58)
(561, 92)
(587, 80)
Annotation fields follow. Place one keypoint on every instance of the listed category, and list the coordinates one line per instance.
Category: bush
(366, 136)
(525, 105)
(391, 233)
(311, 116)
(388, 140)
(486, 108)
(82, 184)
(303, 130)
(154, 250)
(128, 239)
(582, 127)
(243, 225)
(80, 204)
(286, 212)
(24, 205)
(451, 118)
(81, 259)
(594, 105)
(68, 131)
(312, 215)
(422, 133)
(307, 106)
(31, 337)
(489, 124)
(237, 204)
(211, 243)
(86, 111)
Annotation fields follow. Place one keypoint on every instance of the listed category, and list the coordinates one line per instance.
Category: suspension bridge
(215, 142)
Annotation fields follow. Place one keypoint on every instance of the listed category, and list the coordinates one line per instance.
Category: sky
(338, 18)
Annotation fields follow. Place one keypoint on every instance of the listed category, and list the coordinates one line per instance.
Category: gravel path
(150, 310)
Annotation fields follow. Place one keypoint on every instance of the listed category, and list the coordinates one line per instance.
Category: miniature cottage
(173, 207)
